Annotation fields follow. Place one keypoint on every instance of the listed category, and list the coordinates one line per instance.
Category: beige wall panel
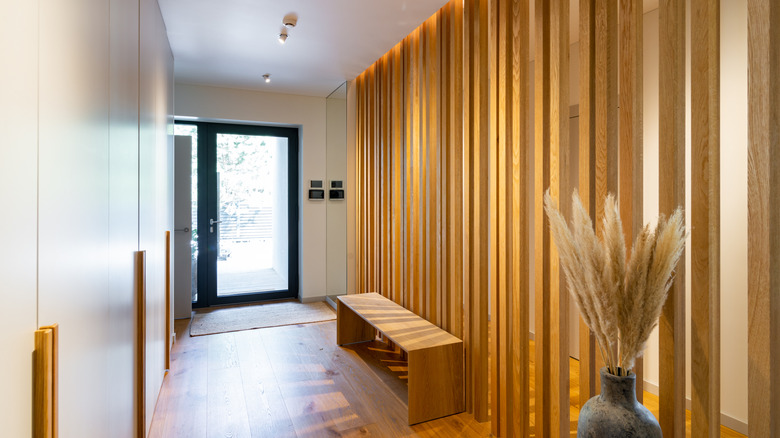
(73, 205)
(155, 191)
(18, 195)
(122, 211)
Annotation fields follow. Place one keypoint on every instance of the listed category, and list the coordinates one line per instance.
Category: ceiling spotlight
(267, 77)
(283, 36)
(290, 20)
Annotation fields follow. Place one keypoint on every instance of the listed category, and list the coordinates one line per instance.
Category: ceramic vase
(615, 413)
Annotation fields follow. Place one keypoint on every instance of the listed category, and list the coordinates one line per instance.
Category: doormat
(232, 319)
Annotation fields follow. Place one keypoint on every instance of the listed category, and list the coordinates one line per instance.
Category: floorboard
(294, 381)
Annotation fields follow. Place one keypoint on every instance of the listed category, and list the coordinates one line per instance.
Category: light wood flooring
(295, 381)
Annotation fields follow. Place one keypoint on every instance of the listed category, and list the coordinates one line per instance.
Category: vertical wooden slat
(587, 173)
(497, 246)
(630, 135)
(140, 343)
(671, 326)
(519, 21)
(456, 169)
(551, 130)
(44, 399)
(168, 301)
(509, 220)
(763, 218)
(705, 218)
(398, 180)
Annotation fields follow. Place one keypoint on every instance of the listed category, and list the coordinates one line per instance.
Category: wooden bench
(435, 357)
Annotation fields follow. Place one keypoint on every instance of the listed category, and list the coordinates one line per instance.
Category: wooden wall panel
(705, 218)
(671, 326)
(551, 130)
(630, 133)
(412, 228)
(764, 217)
(587, 174)
(509, 276)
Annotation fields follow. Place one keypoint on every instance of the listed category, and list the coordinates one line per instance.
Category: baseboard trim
(313, 299)
(725, 420)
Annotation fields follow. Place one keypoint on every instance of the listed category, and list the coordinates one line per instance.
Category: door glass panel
(253, 215)
(192, 130)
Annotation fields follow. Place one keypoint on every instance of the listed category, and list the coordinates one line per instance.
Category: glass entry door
(247, 220)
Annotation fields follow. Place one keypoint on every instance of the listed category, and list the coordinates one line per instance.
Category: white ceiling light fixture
(283, 37)
(267, 77)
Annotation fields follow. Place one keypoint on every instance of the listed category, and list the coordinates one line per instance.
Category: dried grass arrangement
(619, 300)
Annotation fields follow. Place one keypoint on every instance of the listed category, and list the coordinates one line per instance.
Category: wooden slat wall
(587, 174)
(415, 221)
(671, 326)
(551, 100)
(509, 155)
(763, 217)
(705, 218)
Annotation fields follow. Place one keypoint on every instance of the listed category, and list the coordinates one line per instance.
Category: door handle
(185, 229)
(212, 222)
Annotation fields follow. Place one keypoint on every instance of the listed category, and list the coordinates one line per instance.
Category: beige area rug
(231, 319)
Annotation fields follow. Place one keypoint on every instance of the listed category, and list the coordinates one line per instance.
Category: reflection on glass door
(248, 214)
(252, 200)
(183, 128)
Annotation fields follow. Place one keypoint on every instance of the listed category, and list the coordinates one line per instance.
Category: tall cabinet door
(18, 176)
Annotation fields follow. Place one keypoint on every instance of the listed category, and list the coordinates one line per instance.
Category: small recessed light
(267, 77)
(283, 36)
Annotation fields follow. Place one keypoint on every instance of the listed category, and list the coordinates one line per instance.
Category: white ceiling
(232, 43)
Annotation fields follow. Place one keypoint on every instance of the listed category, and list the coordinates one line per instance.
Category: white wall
(69, 170)
(336, 210)
(308, 114)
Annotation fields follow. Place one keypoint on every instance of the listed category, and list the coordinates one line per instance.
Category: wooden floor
(294, 381)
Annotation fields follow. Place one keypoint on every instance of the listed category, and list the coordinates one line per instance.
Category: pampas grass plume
(620, 301)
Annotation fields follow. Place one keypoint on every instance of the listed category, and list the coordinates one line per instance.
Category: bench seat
(435, 356)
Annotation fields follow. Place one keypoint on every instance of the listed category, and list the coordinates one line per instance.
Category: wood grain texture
(435, 356)
(140, 343)
(55, 376)
(300, 370)
(587, 174)
(705, 217)
(630, 131)
(509, 268)
(763, 217)
(43, 385)
(168, 315)
(671, 326)
(551, 164)
(476, 200)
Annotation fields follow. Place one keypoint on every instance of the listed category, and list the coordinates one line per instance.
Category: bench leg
(435, 382)
(351, 328)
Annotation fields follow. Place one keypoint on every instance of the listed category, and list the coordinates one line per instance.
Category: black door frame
(207, 206)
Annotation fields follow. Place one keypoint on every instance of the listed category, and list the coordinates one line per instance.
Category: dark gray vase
(615, 412)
